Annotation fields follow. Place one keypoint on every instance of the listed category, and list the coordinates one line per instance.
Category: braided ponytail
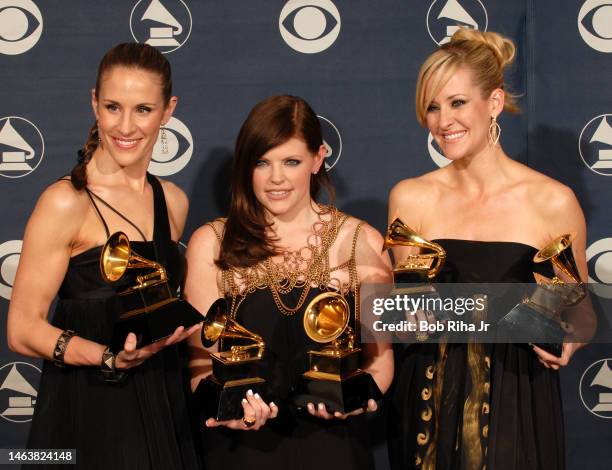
(78, 175)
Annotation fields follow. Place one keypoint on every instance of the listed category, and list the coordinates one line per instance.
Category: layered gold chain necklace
(296, 270)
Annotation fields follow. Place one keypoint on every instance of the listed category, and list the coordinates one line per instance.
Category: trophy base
(231, 371)
(525, 322)
(343, 395)
(223, 401)
(333, 362)
(157, 323)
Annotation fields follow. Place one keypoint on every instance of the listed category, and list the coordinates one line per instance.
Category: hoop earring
(494, 132)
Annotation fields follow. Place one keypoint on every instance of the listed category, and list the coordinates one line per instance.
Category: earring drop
(494, 132)
(163, 139)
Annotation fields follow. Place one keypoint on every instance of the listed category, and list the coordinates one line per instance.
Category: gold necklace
(281, 279)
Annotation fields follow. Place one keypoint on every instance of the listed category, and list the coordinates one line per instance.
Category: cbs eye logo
(173, 155)
(599, 261)
(166, 25)
(444, 17)
(309, 26)
(435, 153)
(332, 142)
(21, 25)
(9, 259)
(595, 24)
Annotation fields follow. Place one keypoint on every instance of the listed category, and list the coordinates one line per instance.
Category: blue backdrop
(356, 62)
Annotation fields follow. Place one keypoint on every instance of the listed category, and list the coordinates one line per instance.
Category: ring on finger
(248, 422)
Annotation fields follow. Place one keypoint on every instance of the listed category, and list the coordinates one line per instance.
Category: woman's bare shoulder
(207, 238)
(61, 199)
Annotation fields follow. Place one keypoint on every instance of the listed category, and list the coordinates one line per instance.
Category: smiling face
(130, 109)
(281, 177)
(458, 117)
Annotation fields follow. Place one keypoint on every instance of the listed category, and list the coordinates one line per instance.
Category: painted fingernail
(250, 393)
(244, 400)
(257, 396)
(272, 403)
(321, 406)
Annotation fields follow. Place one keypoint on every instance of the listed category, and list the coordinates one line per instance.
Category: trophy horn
(559, 253)
(326, 317)
(118, 256)
(218, 325)
(400, 234)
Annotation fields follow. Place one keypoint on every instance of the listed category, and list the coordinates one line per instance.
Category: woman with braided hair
(471, 406)
(124, 410)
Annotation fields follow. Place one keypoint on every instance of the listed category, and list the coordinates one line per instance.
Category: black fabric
(525, 424)
(141, 423)
(294, 439)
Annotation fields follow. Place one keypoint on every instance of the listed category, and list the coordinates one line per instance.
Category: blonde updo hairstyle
(486, 54)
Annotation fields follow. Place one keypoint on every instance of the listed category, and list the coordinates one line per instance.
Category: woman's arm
(52, 234)
(178, 207)
(565, 216)
(201, 290)
(374, 267)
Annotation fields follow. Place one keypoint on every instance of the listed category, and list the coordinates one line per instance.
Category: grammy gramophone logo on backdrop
(21, 25)
(595, 24)
(172, 157)
(163, 24)
(22, 147)
(596, 388)
(595, 144)
(444, 17)
(309, 26)
(332, 142)
(17, 391)
(10, 252)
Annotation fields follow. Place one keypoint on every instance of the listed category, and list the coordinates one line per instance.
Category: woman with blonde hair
(479, 405)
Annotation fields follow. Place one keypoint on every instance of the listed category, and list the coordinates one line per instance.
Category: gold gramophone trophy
(148, 308)
(233, 371)
(335, 377)
(414, 275)
(539, 316)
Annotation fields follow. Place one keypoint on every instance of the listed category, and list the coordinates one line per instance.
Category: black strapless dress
(522, 427)
(140, 423)
(294, 440)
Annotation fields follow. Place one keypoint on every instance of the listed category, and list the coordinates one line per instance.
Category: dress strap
(161, 221)
(95, 206)
(215, 230)
(352, 261)
(93, 195)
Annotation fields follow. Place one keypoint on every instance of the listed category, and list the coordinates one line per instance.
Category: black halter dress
(139, 423)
